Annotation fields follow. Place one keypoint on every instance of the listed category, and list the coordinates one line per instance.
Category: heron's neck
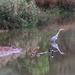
(58, 33)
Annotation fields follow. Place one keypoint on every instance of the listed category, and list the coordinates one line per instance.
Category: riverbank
(23, 14)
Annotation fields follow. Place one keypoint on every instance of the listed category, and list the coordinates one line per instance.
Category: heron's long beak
(63, 29)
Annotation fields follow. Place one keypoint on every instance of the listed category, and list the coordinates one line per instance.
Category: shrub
(15, 14)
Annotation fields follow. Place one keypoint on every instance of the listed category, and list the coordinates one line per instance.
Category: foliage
(14, 14)
(66, 6)
(25, 13)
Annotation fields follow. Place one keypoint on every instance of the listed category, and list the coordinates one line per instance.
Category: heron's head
(62, 29)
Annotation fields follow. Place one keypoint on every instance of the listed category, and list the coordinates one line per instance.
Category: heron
(54, 38)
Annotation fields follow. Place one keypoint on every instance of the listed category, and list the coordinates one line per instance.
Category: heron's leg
(54, 41)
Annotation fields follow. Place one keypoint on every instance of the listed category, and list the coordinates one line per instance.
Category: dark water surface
(32, 61)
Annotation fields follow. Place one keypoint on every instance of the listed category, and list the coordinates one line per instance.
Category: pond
(34, 57)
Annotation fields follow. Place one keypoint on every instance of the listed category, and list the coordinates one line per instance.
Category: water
(32, 61)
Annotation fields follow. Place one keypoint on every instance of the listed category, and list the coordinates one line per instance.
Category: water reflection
(5, 51)
(34, 52)
(38, 57)
(56, 46)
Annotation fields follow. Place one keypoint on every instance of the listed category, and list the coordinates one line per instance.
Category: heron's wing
(53, 38)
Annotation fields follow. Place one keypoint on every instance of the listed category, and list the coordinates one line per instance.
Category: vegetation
(43, 65)
(15, 14)
(24, 13)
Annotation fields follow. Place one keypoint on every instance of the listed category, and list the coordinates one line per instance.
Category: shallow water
(31, 61)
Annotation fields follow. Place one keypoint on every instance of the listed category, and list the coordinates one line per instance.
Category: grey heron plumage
(56, 36)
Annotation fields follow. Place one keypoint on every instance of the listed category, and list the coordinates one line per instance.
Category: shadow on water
(38, 55)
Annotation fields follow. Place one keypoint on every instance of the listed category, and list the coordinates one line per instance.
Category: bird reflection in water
(51, 56)
(49, 51)
(56, 46)
(32, 52)
(32, 61)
